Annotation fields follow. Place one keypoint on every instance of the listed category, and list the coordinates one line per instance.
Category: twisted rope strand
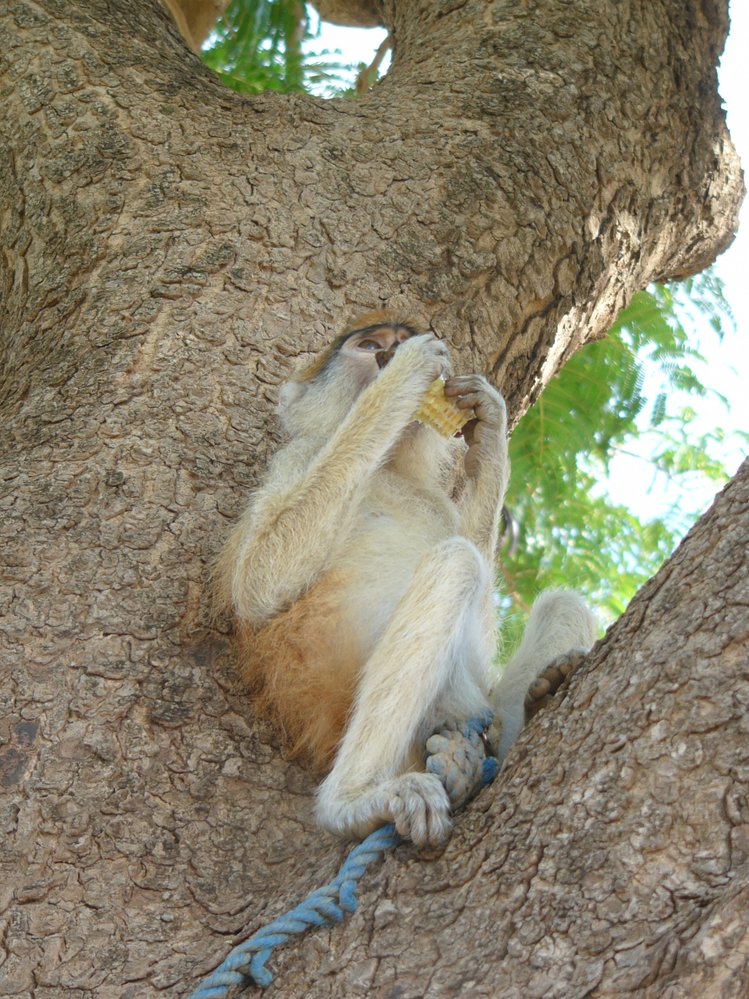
(462, 767)
(325, 906)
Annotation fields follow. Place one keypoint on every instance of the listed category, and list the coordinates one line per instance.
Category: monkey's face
(322, 393)
(367, 351)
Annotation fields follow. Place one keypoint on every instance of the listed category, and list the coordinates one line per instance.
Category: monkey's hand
(415, 365)
(388, 404)
(486, 433)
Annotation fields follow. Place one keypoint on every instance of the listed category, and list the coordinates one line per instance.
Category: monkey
(361, 578)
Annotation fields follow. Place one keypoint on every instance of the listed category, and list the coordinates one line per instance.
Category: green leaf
(259, 45)
(572, 535)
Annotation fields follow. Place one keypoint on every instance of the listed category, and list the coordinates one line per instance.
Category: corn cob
(439, 412)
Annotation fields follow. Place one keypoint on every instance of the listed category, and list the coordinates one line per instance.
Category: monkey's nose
(383, 357)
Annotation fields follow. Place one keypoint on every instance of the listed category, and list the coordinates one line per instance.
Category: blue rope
(323, 907)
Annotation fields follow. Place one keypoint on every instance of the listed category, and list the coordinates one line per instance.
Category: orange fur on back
(301, 669)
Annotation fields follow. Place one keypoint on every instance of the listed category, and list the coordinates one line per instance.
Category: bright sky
(732, 266)
(632, 481)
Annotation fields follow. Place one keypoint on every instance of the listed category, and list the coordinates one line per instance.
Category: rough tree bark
(168, 247)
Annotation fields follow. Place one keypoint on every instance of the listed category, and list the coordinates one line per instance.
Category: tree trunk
(168, 248)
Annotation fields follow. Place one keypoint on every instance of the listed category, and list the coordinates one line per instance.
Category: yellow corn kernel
(439, 412)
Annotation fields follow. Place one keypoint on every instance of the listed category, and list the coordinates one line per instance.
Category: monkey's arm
(487, 465)
(290, 533)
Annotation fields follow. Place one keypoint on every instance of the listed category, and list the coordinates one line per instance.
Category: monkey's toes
(421, 810)
(542, 690)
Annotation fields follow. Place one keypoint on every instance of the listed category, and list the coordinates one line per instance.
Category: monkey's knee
(459, 553)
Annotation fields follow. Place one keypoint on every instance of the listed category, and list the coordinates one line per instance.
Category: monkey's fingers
(493, 735)
(542, 690)
(475, 393)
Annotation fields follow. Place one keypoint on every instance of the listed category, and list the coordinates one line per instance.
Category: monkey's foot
(416, 803)
(543, 688)
(420, 809)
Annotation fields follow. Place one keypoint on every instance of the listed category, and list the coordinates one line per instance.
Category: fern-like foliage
(572, 535)
(261, 45)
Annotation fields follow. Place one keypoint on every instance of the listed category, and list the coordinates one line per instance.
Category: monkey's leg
(429, 658)
(560, 624)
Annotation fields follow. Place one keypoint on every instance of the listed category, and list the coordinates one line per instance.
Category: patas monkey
(363, 588)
